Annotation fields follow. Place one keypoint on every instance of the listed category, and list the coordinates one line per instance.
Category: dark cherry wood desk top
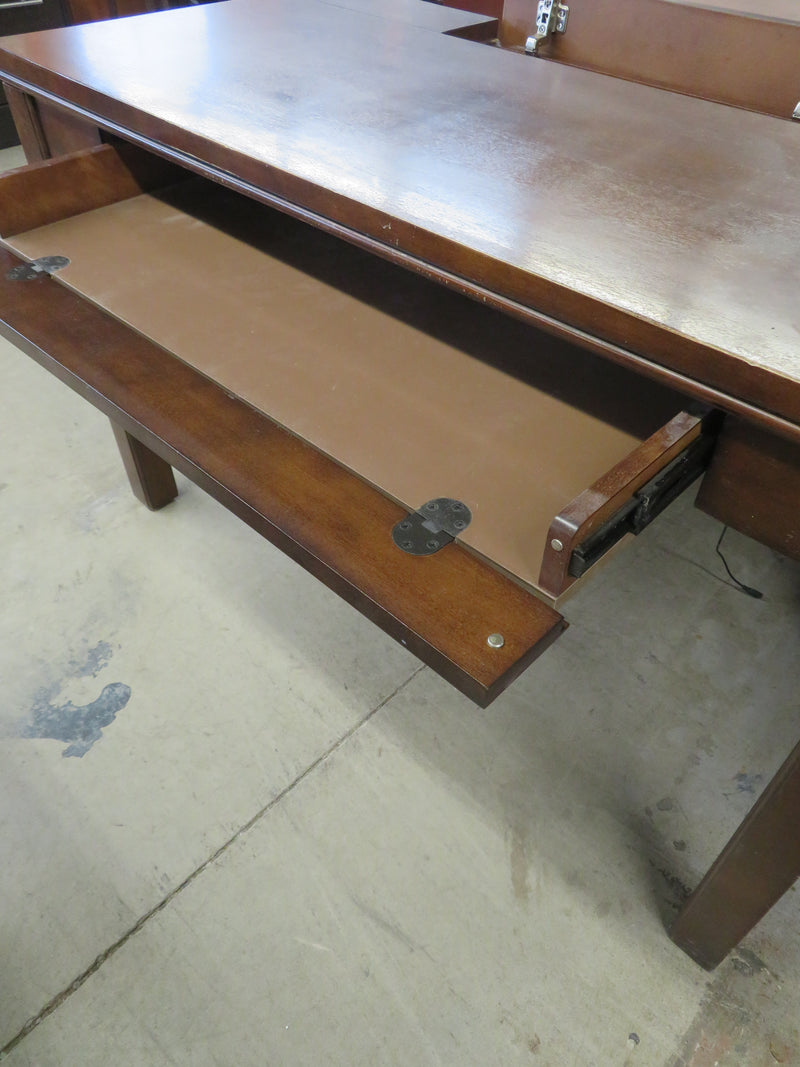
(665, 225)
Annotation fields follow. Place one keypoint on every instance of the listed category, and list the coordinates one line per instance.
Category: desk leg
(755, 869)
(151, 477)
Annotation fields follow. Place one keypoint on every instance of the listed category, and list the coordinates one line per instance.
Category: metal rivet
(408, 545)
(556, 545)
(459, 524)
(405, 525)
(432, 544)
(495, 640)
(432, 506)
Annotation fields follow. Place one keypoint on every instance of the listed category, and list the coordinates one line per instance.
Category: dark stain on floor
(92, 661)
(80, 726)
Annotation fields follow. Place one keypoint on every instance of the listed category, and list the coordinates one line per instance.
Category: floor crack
(56, 1002)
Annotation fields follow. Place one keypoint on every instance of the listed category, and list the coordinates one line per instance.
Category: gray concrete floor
(287, 843)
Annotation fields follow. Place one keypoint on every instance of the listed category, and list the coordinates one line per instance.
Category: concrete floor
(286, 843)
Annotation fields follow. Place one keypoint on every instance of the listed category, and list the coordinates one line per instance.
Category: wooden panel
(28, 17)
(494, 8)
(151, 479)
(626, 212)
(418, 390)
(46, 130)
(441, 607)
(63, 132)
(748, 58)
(456, 19)
(45, 192)
(8, 131)
(753, 485)
(758, 865)
(598, 503)
(124, 8)
(26, 120)
(90, 10)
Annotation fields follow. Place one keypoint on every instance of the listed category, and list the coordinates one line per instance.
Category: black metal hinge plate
(431, 527)
(37, 267)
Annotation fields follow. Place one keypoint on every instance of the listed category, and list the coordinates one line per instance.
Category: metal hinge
(551, 17)
(796, 112)
(37, 267)
(432, 526)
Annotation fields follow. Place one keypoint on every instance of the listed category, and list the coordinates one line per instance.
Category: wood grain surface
(26, 120)
(151, 478)
(743, 57)
(441, 607)
(598, 502)
(759, 864)
(52, 190)
(667, 225)
(753, 485)
(420, 391)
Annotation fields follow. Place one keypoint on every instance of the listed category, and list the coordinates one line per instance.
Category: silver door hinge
(551, 17)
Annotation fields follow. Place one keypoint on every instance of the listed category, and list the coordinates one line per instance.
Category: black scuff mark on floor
(81, 726)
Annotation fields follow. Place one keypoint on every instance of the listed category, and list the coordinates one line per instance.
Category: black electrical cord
(755, 593)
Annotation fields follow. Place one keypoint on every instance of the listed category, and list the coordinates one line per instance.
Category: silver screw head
(556, 545)
(495, 640)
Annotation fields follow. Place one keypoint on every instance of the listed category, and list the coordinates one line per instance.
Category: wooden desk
(628, 253)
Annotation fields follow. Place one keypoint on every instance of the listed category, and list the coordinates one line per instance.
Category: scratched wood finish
(441, 607)
(757, 866)
(639, 216)
(748, 58)
(753, 485)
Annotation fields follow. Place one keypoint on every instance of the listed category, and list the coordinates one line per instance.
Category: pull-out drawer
(326, 395)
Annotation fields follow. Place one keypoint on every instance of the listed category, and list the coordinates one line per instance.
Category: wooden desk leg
(755, 869)
(151, 477)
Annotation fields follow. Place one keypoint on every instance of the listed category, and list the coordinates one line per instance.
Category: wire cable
(755, 593)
